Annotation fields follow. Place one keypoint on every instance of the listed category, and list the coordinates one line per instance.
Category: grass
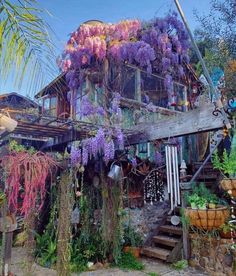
(152, 274)
(180, 265)
(129, 262)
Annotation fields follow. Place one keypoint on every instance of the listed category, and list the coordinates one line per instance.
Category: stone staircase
(166, 244)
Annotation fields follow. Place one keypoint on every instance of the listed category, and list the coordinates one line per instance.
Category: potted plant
(228, 230)
(208, 215)
(212, 201)
(227, 166)
(193, 200)
(202, 203)
(132, 241)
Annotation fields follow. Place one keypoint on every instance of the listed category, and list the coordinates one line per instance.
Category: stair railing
(206, 160)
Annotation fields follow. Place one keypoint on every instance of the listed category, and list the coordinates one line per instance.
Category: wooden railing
(205, 161)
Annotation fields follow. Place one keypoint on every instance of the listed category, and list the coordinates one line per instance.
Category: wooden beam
(129, 103)
(195, 121)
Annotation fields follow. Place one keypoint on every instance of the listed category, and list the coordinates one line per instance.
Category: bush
(129, 262)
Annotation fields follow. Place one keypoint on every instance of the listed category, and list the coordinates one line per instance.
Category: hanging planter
(227, 165)
(229, 185)
(207, 219)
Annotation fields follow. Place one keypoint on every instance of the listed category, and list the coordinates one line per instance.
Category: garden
(126, 161)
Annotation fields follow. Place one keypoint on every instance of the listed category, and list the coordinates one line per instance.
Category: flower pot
(228, 234)
(135, 251)
(229, 185)
(207, 219)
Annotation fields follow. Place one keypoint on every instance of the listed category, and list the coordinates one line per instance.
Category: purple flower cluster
(76, 156)
(119, 137)
(159, 45)
(91, 147)
(88, 108)
(109, 151)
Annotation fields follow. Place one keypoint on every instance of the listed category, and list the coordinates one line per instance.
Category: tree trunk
(64, 230)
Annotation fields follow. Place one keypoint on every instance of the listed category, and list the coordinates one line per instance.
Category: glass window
(50, 106)
(46, 104)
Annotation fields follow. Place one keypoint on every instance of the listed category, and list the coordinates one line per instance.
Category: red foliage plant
(29, 171)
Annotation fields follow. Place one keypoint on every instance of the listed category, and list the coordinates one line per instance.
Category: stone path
(160, 268)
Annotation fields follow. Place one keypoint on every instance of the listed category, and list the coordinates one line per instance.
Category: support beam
(195, 121)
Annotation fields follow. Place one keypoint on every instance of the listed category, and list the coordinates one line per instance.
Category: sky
(64, 16)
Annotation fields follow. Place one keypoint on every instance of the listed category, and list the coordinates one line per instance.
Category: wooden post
(64, 221)
(8, 225)
(138, 95)
(7, 254)
(186, 242)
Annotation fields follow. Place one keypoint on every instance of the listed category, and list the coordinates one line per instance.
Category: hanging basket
(229, 185)
(208, 219)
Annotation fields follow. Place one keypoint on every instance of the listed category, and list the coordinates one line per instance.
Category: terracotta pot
(229, 185)
(227, 235)
(133, 250)
(208, 219)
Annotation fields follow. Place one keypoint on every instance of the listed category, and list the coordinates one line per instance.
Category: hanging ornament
(153, 187)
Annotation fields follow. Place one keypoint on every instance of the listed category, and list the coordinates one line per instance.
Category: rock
(204, 252)
(203, 262)
(192, 262)
(228, 260)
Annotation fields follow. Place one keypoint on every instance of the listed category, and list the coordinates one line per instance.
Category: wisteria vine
(160, 45)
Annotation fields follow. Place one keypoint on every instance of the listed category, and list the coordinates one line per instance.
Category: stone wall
(146, 219)
(213, 255)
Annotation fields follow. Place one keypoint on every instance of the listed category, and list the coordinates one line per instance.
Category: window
(50, 106)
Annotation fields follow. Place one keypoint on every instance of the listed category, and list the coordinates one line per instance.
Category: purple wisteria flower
(119, 137)
(85, 156)
(75, 156)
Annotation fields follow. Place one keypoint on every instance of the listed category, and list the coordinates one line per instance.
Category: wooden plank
(166, 240)
(159, 253)
(171, 229)
(176, 253)
(195, 121)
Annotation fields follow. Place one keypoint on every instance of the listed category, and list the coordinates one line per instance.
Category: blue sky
(67, 15)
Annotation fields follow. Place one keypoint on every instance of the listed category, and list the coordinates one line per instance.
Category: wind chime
(172, 171)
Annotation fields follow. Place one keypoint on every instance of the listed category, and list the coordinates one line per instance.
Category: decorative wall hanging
(172, 172)
(153, 187)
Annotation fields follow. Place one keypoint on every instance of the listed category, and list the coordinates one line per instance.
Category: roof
(58, 85)
(16, 101)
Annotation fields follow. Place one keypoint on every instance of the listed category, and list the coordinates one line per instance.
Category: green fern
(227, 165)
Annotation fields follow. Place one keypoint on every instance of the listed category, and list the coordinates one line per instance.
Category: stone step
(155, 252)
(171, 229)
(166, 240)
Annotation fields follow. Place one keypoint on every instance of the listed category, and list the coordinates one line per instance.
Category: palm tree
(26, 48)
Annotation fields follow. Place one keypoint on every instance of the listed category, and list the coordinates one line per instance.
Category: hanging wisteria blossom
(159, 46)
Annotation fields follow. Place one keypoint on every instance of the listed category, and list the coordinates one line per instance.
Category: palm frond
(26, 48)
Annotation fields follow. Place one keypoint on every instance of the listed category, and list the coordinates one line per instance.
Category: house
(151, 116)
